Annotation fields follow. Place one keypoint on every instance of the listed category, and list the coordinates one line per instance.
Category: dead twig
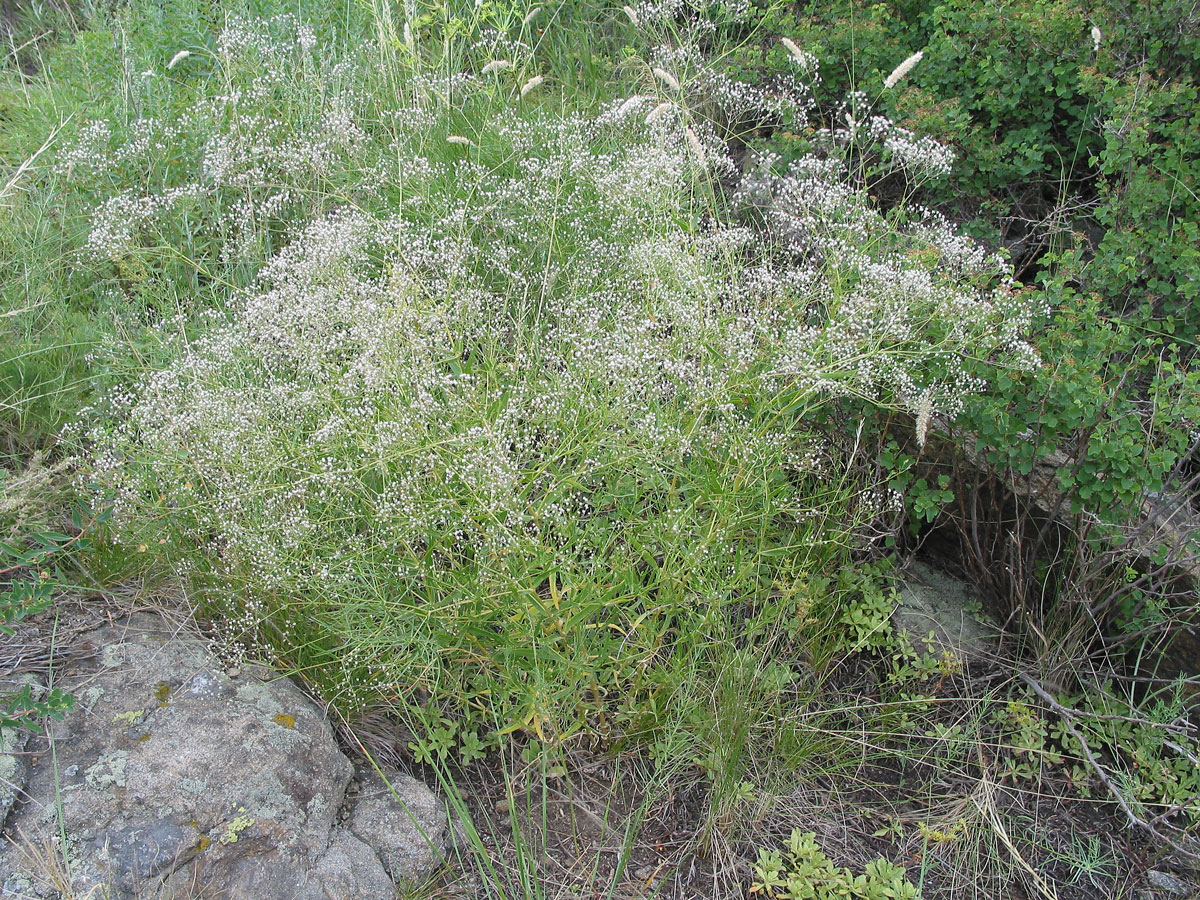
(1067, 716)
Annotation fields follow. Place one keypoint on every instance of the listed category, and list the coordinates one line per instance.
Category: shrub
(1109, 422)
(530, 433)
(1146, 262)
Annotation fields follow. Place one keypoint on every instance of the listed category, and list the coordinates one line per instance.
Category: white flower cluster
(253, 147)
(88, 152)
(786, 98)
(501, 51)
(656, 12)
(681, 66)
(898, 309)
(96, 150)
(920, 157)
(534, 348)
(256, 166)
(116, 225)
(275, 38)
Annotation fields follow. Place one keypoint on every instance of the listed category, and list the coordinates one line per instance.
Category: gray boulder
(349, 869)
(171, 774)
(402, 821)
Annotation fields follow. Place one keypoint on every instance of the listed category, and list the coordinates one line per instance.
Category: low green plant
(1149, 751)
(1088, 860)
(1024, 737)
(28, 706)
(1102, 742)
(802, 871)
(30, 574)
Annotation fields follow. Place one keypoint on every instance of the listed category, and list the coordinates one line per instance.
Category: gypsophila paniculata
(471, 361)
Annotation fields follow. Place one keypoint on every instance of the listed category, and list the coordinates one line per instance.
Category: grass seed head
(659, 111)
(531, 84)
(695, 145)
(897, 74)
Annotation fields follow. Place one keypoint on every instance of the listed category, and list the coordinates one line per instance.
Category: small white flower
(306, 38)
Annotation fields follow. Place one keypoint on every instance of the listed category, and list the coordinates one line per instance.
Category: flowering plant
(528, 423)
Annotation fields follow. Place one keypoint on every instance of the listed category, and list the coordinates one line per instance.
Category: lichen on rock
(238, 788)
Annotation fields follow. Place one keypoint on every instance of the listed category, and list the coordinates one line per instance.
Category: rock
(172, 774)
(932, 601)
(349, 870)
(1166, 885)
(402, 821)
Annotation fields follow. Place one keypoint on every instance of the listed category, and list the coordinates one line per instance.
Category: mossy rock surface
(931, 600)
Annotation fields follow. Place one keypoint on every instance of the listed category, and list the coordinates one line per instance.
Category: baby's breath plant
(205, 192)
(527, 426)
(112, 220)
